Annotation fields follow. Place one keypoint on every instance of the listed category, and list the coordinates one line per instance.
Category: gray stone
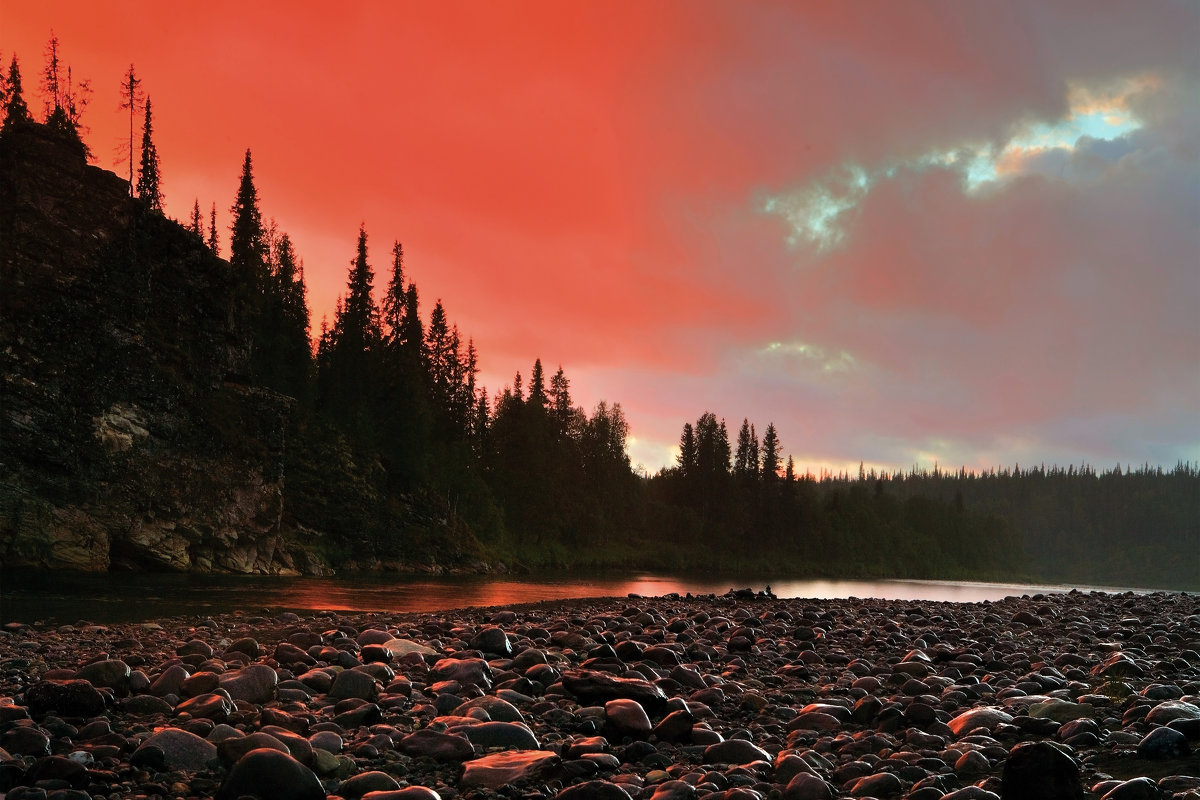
(254, 684)
(110, 673)
(1163, 743)
(352, 684)
(182, 750)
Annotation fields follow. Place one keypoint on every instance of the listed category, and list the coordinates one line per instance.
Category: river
(130, 597)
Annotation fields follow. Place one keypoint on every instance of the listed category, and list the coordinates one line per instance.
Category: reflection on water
(118, 597)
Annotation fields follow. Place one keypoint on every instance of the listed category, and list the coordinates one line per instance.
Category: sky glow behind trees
(904, 233)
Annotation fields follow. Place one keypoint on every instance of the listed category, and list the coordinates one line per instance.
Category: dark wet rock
(194, 647)
(1040, 771)
(735, 751)
(1171, 710)
(883, 784)
(407, 793)
(297, 745)
(814, 721)
(675, 727)
(181, 750)
(353, 684)
(501, 769)
(1179, 783)
(289, 654)
(375, 654)
(169, 681)
(199, 683)
(247, 644)
(972, 764)
(281, 719)
(58, 768)
(110, 673)
(270, 774)
(1136, 789)
(496, 708)
(149, 757)
(1188, 727)
(70, 698)
(512, 735)
(365, 782)
(230, 751)
(437, 745)
(595, 688)
(968, 793)
(594, 790)
(985, 717)
(256, 683)
(216, 707)
(317, 679)
(146, 705)
(674, 790)
(24, 741)
(466, 671)
(626, 718)
(1163, 743)
(807, 787)
(491, 641)
(359, 716)
(1118, 665)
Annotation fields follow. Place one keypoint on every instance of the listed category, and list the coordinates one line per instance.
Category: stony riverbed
(1051, 696)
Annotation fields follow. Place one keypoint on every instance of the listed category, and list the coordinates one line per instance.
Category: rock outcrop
(129, 437)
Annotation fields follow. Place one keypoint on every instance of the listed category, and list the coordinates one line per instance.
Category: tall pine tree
(196, 225)
(131, 99)
(771, 449)
(348, 379)
(392, 307)
(247, 240)
(16, 112)
(213, 242)
(149, 188)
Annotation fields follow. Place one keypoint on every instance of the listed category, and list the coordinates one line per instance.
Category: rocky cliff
(128, 437)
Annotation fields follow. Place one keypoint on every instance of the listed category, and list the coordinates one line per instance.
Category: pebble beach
(742, 696)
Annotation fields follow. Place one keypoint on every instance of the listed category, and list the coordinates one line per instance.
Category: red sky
(903, 232)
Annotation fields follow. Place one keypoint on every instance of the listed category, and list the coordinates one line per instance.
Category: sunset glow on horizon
(906, 234)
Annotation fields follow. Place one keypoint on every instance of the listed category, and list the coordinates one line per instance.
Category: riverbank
(666, 698)
(109, 598)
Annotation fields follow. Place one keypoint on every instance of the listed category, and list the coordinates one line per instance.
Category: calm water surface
(127, 597)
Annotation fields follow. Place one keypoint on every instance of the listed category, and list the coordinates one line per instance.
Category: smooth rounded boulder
(1040, 771)
(181, 749)
(270, 775)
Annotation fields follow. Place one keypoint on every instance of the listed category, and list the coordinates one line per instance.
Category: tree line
(396, 455)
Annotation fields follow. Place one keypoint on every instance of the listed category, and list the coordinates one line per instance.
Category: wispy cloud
(810, 356)
(820, 213)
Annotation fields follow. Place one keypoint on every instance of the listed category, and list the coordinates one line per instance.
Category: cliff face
(127, 438)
